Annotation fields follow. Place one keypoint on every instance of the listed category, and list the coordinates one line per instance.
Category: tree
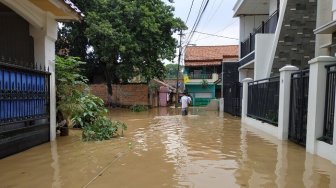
(171, 71)
(128, 37)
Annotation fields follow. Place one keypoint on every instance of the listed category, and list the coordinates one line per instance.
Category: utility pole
(178, 70)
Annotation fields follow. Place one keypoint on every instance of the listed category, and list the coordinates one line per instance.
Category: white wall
(44, 52)
(273, 6)
(245, 73)
(323, 17)
(333, 9)
(263, 47)
(248, 24)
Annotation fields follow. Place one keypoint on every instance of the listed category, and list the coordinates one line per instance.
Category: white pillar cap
(322, 59)
(289, 68)
(247, 80)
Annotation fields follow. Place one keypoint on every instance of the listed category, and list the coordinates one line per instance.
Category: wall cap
(289, 68)
(248, 80)
(322, 59)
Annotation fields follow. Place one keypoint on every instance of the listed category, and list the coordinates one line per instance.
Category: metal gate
(298, 107)
(232, 99)
(24, 108)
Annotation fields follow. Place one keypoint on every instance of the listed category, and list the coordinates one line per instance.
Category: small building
(203, 66)
(27, 71)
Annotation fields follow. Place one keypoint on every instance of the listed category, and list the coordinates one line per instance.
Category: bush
(86, 111)
(92, 108)
(138, 108)
(102, 129)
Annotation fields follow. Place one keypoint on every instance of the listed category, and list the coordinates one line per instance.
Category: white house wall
(44, 51)
(273, 6)
(323, 17)
(263, 47)
(246, 73)
(248, 24)
(334, 9)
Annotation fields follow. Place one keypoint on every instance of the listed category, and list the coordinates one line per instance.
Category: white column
(284, 100)
(245, 98)
(316, 100)
(333, 9)
(44, 51)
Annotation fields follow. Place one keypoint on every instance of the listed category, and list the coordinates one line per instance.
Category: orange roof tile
(206, 53)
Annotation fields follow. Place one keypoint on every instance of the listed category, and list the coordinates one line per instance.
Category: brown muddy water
(163, 149)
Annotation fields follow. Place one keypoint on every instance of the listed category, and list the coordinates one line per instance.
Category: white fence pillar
(284, 100)
(245, 98)
(316, 100)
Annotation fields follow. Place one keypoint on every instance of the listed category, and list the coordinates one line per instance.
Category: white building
(274, 33)
(301, 105)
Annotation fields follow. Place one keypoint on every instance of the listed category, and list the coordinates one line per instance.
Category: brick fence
(125, 94)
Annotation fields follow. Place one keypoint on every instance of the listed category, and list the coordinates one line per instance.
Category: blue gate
(24, 108)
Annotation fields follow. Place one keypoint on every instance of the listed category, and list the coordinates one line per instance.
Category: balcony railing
(200, 76)
(268, 26)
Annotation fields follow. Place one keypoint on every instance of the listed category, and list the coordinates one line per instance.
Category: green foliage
(70, 86)
(128, 37)
(74, 102)
(102, 129)
(138, 108)
(205, 83)
(93, 108)
(171, 71)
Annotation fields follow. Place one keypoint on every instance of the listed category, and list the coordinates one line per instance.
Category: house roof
(63, 10)
(210, 55)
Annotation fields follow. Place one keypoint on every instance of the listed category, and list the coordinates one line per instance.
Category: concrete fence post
(284, 100)
(316, 100)
(245, 98)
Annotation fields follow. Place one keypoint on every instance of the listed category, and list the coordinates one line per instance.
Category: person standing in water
(185, 100)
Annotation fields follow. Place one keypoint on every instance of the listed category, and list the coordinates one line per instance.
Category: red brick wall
(100, 90)
(128, 94)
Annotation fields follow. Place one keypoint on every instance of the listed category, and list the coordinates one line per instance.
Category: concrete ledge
(322, 59)
(264, 127)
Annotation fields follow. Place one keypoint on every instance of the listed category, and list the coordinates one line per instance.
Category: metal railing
(199, 76)
(297, 130)
(267, 26)
(263, 100)
(232, 99)
(329, 111)
(24, 94)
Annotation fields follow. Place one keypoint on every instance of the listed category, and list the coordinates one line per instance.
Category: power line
(192, 4)
(223, 29)
(216, 35)
(199, 18)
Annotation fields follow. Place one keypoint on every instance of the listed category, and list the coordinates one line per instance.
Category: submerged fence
(329, 111)
(298, 107)
(263, 100)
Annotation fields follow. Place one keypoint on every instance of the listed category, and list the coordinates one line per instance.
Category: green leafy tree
(171, 70)
(128, 37)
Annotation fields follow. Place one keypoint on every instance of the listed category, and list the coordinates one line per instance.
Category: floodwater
(163, 149)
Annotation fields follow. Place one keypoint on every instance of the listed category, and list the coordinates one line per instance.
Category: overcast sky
(217, 20)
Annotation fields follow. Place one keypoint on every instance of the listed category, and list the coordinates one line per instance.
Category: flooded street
(163, 149)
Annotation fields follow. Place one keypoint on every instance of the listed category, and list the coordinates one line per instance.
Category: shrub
(87, 111)
(92, 108)
(138, 108)
(102, 129)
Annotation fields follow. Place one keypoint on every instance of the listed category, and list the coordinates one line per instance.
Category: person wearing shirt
(185, 100)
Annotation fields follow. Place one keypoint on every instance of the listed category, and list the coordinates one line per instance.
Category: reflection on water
(164, 149)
